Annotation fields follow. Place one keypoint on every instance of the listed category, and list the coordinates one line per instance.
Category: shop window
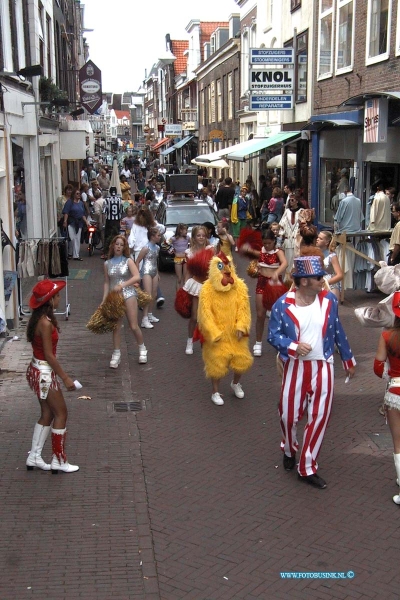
(295, 4)
(335, 174)
(325, 39)
(219, 100)
(230, 96)
(345, 36)
(378, 30)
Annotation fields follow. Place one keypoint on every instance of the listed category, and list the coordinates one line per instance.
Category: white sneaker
(217, 399)
(237, 390)
(146, 323)
(115, 359)
(153, 319)
(142, 357)
(189, 347)
(257, 349)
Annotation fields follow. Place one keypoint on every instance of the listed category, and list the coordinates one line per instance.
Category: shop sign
(216, 135)
(90, 87)
(272, 79)
(189, 125)
(375, 121)
(270, 102)
(271, 56)
(173, 130)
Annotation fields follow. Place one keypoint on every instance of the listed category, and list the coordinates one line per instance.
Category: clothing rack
(67, 310)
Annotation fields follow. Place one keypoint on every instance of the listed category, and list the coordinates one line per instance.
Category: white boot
(115, 359)
(40, 434)
(142, 355)
(189, 346)
(396, 499)
(59, 461)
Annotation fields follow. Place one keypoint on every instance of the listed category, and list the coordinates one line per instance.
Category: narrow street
(181, 499)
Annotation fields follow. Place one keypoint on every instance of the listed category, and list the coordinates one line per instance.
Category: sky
(129, 35)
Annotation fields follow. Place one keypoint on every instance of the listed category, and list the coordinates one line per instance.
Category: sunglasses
(317, 277)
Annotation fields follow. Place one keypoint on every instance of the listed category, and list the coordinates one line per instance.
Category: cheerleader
(271, 267)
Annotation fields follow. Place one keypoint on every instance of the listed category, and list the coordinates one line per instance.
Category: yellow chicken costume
(224, 320)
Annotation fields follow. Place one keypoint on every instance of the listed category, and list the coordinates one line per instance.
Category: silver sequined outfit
(149, 265)
(119, 273)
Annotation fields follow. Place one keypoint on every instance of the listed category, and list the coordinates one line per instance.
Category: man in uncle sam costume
(304, 327)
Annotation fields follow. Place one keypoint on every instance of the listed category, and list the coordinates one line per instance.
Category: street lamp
(31, 71)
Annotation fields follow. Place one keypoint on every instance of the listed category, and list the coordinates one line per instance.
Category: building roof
(178, 47)
(207, 28)
(122, 114)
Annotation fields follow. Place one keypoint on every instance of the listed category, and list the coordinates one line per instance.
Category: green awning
(183, 142)
(255, 145)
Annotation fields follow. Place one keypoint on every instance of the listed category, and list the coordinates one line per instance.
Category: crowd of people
(303, 326)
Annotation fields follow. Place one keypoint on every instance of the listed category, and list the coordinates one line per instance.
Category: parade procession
(199, 300)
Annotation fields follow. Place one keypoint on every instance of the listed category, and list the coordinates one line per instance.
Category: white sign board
(271, 56)
(272, 79)
(173, 130)
(270, 102)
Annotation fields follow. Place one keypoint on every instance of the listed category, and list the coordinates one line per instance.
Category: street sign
(271, 56)
(272, 79)
(173, 129)
(270, 102)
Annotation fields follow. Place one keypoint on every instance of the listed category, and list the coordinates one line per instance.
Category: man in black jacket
(224, 198)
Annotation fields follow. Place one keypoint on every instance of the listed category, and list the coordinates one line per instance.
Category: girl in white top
(331, 263)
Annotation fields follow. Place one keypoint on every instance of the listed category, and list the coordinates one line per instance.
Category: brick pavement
(185, 499)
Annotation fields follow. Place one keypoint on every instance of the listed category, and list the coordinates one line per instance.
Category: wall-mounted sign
(375, 120)
(216, 135)
(90, 87)
(271, 56)
(269, 102)
(173, 130)
(189, 125)
(272, 79)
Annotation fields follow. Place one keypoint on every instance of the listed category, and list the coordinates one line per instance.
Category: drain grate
(123, 407)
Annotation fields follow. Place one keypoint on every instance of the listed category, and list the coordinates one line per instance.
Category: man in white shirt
(126, 172)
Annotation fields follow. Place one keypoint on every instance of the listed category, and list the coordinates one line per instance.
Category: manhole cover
(123, 407)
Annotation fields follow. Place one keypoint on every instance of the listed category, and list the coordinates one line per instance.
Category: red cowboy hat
(43, 291)
(396, 304)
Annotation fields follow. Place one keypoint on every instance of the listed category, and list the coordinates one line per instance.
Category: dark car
(173, 211)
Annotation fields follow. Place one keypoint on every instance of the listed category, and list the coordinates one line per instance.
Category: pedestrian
(224, 198)
(193, 284)
(387, 366)
(289, 228)
(147, 258)
(180, 243)
(74, 212)
(349, 215)
(113, 215)
(125, 191)
(128, 219)
(42, 373)
(276, 206)
(394, 244)
(271, 267)
(334, 273)
(224, 332)
(122, 275)
(380, 216)
(304, 327)
(60, 203)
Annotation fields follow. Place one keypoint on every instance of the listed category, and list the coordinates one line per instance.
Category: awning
(361, 98)
(160, 143)
(329, 124)
(241, 151)
(184, 141)
(167, 151)
(216, 164)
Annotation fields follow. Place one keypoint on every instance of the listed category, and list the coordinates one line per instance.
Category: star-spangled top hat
(308, 266)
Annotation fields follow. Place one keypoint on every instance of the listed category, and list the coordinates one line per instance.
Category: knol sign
(271, 79)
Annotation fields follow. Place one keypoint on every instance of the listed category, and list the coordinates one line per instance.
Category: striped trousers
(307, 385)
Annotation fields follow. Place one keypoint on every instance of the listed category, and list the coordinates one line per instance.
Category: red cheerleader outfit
(270, 290)
(40, 376)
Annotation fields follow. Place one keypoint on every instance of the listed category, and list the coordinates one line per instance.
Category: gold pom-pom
(252, 269)
(98, 324)
(113, 307)
(143, 297)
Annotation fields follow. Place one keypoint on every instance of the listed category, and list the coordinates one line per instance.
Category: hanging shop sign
(270, 102)
(216, 135)
(173, 130)
(271, 56)
(375, 121)
(90, 87)
(272, 79)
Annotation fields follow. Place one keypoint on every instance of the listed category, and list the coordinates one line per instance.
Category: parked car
(175, 210)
